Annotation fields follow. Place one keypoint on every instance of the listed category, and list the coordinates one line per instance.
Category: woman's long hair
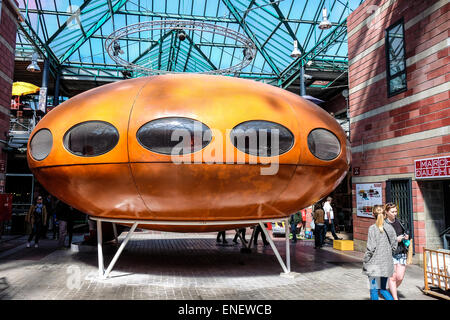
(378, 213)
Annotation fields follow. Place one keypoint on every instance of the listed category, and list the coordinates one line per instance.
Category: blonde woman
(400, 254)
(377, 262)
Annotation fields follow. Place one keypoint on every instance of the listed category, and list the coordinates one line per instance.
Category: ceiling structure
(71, 35)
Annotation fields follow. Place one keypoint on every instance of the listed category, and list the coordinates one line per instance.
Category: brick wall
(388, 134)
(336, 105)
(8, 30)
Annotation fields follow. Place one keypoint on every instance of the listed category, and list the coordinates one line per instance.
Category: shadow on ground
(201, 257)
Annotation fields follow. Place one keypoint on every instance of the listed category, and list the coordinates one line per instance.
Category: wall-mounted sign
(368, 195)
(432, 168)
(356, 171)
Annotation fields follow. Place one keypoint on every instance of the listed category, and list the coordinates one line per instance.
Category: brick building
(8, 28)
(399, 112)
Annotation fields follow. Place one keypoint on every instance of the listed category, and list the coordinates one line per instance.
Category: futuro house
(108, 151)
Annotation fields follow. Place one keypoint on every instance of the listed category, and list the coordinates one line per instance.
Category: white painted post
(288, 252)
(101, 267)
(122, 246)
(277, 254)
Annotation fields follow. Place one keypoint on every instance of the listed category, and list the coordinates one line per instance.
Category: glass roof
(71, 33)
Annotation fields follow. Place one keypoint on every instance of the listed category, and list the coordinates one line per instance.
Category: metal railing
(436, 268)
(20, 130)
(21, 124)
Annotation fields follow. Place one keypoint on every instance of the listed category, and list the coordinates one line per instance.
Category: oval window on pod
(91, 138)
(262, 138)
(323, 144)
(174, 135)
(41, 144)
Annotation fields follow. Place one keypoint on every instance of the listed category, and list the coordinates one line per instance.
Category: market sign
(430, 168)
(368, 195)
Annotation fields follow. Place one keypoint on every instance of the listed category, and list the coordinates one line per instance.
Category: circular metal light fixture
(296, 53)
(183, 26)
(33, 66)
(324, 24)
(181, 35)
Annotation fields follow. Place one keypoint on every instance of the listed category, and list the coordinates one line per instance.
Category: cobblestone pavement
(158, 265)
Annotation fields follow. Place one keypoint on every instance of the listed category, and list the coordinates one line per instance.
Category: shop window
(395, 59)
(257, 137)
(174, 135)
(41, 144)
(91, 138)
(323, 144)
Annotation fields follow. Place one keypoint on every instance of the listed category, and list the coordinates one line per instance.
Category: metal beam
(250, 34)
(187, 57)
(137, 39)
(173, 41)
(154, 45)
(201, 52)
(291, 73)
(286, 24)
(92, 30)
(175, 16)
(39, 45)
(63, 27)
(271, 34)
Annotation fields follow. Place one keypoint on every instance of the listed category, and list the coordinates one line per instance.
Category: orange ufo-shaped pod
(187, 149)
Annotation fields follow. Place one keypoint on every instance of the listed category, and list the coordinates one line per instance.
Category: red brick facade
(336, 105)
(8, 29)
(388, 134)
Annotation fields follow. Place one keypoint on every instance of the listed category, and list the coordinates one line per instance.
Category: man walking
(294, 221)
(329, 218)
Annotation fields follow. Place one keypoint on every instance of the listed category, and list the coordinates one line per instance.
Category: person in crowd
(47, 201)
(63, 215)
(55, 228)
(400, 254)
(258, 231)
(303, 223)
(37, 217)
(319, 225)
(221, 234)
(329, 218)
(92, 237)
(377, 261)
(294, 221)
(49, 205)
(241, 231)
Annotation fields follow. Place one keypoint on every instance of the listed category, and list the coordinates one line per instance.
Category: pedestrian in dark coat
(37, 217)
(319, 227)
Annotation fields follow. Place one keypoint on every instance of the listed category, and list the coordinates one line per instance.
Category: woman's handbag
(410, 252)
(312, 225)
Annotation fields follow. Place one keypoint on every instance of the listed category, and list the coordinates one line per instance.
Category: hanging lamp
(324, 24)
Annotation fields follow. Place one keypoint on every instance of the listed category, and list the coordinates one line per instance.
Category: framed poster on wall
(368, 195)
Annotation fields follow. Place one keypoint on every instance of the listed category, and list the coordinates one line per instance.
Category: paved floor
(188, 266)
